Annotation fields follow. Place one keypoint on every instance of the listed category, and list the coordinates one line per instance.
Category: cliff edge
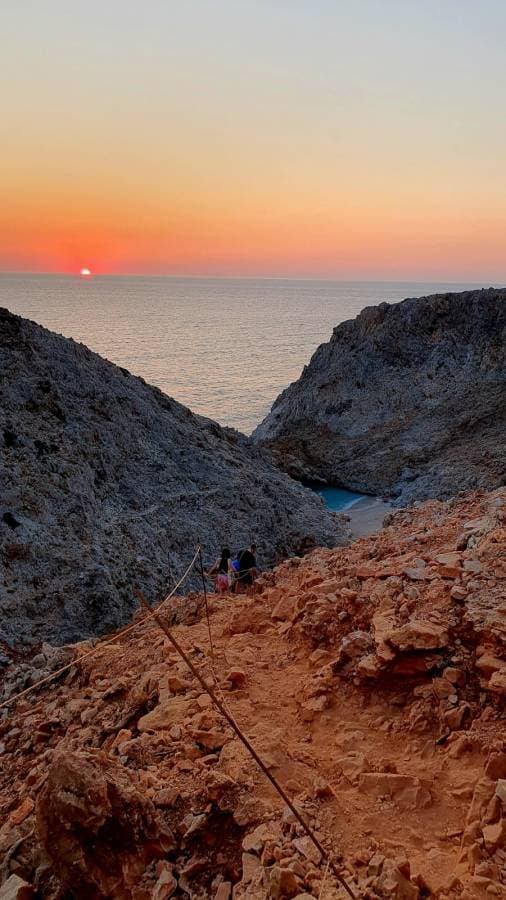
(407, 399)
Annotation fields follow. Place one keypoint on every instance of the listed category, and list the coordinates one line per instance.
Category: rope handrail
(222, 708)
(97, 647)
(219, 704)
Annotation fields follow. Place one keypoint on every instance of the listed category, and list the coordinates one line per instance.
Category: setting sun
(85, 273)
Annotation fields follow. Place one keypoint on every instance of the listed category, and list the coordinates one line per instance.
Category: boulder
(487, 664)
(353, 764)
(356, 643)
(282, 884)
(212, 740)
(250, 866)
(456, 718)
(494, 835)
(307, 849)
(98, 829)
(247, 619)
(375, 864)
(449, 559)
(166, 884)
(370, 666)
(254, 841)
(330, 587)
(473, 565)
(417, 634)
(416, 573)
(408, 791)
(392, 882)
(169, 712)
(284, 609)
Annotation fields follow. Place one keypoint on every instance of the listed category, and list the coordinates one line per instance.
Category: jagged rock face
(406, 399)
(106, 482)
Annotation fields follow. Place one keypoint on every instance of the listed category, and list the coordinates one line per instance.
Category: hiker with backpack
(247, 569)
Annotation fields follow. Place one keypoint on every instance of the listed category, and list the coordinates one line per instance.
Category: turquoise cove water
(338, 498)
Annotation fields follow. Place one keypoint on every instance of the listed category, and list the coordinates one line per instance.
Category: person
(247, 568)
(233, 576)
(220, 572)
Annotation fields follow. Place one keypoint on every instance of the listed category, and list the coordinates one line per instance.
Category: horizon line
(193, 277)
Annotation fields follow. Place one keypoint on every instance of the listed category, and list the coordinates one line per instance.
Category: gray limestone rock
(105, 482)
(407, 399)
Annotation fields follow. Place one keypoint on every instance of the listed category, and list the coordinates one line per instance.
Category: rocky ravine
(371, 679)
(106, 482)
(406, 399)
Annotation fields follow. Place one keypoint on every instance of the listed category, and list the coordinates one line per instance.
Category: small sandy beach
(366, 516)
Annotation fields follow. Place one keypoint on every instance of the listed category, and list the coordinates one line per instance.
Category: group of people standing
(235, 574)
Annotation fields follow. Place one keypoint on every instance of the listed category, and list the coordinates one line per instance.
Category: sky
(303, 138)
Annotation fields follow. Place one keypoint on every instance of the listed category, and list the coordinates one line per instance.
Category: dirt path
(361, 731)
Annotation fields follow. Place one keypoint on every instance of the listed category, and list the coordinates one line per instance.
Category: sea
(225, 347)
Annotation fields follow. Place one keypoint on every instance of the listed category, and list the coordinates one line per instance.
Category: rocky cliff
(106, 482)
(407, 399)
(371, 679)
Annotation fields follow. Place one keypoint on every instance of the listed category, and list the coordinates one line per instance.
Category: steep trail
(307, 753)
(384, 724)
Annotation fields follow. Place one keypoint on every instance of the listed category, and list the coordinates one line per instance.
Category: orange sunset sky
(274, 137)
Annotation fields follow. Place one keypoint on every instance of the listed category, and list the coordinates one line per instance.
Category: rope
(154, 614)
(99, 646)
(320, 895)
(251, 750)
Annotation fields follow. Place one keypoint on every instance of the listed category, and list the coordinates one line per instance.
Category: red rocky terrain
(371, 680)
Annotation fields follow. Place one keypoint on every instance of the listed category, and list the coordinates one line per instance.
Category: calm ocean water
(224, 347)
